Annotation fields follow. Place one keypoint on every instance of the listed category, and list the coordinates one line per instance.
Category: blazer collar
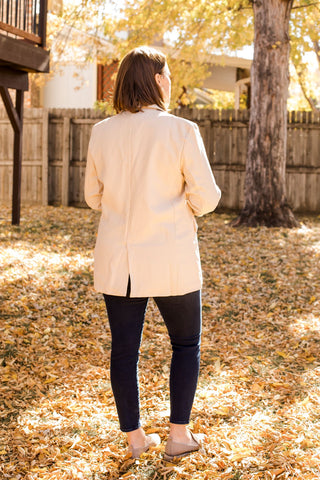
(153, 107)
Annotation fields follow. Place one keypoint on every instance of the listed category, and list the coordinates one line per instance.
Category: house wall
(73, 87)
(80, 87)
(221, 78)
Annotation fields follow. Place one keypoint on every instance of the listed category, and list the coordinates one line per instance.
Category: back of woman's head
(135, 85)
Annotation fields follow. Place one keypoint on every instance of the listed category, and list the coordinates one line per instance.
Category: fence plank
(65, 161)
(45, 159)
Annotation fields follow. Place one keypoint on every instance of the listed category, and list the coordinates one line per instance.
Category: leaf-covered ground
(258, 396)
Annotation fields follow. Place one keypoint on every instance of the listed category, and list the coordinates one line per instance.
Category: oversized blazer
(148, 174)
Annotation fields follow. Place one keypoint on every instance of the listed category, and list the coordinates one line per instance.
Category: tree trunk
(265, 197)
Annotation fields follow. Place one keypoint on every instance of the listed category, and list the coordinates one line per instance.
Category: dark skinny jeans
(182, 316)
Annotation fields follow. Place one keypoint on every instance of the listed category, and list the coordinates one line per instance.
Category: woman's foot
(182, 442)
(139, 442)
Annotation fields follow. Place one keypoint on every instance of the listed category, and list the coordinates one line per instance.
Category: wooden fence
(69, 133)
(56, 142)
(35, 157)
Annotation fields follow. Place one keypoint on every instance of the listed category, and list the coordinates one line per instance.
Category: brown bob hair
(135, 85)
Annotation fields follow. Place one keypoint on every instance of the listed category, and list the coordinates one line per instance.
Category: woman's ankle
(137, 437)
(180, 433)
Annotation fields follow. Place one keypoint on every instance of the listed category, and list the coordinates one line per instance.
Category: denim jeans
(182, 316)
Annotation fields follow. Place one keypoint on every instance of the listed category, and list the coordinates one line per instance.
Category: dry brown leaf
(258, 394)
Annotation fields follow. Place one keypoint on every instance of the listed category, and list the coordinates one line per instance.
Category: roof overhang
(211, 59)
(228, 61)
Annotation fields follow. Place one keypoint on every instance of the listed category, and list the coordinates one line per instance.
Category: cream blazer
(148, 174)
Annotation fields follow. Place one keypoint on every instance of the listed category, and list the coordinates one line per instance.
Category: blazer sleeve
(93, 187)
(201, 190)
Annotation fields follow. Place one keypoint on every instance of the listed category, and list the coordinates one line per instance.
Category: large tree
(265, 193)
(265, 183)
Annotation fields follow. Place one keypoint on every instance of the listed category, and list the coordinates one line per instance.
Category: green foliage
(222, 100)
(104, 107)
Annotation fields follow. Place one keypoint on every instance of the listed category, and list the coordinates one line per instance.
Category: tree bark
(265, 192)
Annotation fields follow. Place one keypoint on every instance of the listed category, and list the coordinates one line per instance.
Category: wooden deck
(23, 35)
(18, 54)
(23, 26)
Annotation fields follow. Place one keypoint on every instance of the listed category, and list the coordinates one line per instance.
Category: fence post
(45, 159)
(65, 161)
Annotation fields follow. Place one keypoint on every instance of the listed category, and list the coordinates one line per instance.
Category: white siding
(221, 78)
(72, 87)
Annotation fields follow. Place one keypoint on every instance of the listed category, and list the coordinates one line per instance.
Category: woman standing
(148, 173)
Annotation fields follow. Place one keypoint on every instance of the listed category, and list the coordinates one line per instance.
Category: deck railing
(24, 19)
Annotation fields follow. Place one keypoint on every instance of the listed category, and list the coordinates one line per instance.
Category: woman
(148, 173)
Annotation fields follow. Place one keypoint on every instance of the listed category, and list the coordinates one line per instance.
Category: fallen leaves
(258, 394)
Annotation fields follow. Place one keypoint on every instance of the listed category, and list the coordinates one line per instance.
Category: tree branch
(316, 48)
(306, 5)
(302, 86)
